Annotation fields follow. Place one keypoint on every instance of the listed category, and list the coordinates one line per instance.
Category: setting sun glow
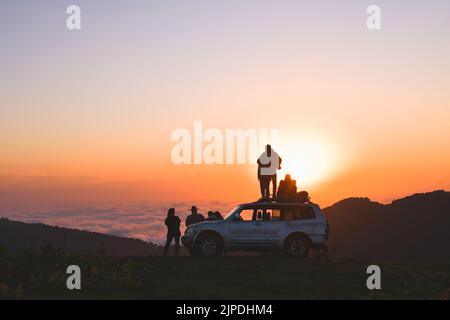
(308, 160)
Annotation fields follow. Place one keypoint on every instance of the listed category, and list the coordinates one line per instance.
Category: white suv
(293, 227)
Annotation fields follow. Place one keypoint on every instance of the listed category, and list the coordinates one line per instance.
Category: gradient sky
(87, 115)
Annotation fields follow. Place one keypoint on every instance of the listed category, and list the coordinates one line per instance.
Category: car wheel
(298, 246)
(208, 245)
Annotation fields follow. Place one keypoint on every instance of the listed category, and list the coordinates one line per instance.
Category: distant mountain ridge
(411, 229)
(15, 235)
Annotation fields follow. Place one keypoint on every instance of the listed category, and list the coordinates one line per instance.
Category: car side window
(271, 214)
(298, 213)
(305, 213)
(276, 215)
(290, 214)
(259, 214)
(245, 215)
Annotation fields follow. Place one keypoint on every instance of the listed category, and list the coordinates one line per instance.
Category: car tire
(298, 246)
(208, 245)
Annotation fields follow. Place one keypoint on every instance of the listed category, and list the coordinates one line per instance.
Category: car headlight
(190, 231)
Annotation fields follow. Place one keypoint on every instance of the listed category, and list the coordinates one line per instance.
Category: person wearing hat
(194, 217)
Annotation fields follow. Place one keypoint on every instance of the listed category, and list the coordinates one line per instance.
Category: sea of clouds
(141, 220)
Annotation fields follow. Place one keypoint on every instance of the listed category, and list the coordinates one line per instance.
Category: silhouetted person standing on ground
(194, 217)
(268, 164)
(214, 216)
(218, 215)
(173, 231)
(210, 216)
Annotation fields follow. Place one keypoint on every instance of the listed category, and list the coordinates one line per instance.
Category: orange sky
(88, 116)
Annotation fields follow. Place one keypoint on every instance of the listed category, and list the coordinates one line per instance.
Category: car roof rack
(278, 201)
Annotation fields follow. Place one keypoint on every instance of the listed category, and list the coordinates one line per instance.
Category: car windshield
(231, 212)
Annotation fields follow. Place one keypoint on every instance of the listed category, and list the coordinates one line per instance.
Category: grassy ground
(237, 277)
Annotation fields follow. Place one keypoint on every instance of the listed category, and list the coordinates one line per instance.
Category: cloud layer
(141, 220)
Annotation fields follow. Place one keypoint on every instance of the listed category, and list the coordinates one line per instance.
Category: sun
(309, 160)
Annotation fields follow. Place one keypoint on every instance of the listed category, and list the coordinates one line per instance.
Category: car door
(248, 231)
(273, 226)
(299, 218)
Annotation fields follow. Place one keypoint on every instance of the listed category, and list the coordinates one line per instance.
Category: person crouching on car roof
(173, 231)
(194, 217)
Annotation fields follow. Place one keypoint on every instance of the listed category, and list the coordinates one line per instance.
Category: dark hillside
(411, 229)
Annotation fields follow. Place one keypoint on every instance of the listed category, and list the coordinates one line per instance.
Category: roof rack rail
(275, 200)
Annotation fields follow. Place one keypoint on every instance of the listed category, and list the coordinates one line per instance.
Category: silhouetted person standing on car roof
(268, 164)
(173, 231)
(194, 217)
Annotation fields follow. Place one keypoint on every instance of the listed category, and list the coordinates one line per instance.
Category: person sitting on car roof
(287, 191)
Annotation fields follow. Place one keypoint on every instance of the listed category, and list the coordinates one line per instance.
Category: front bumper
(187, 241)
